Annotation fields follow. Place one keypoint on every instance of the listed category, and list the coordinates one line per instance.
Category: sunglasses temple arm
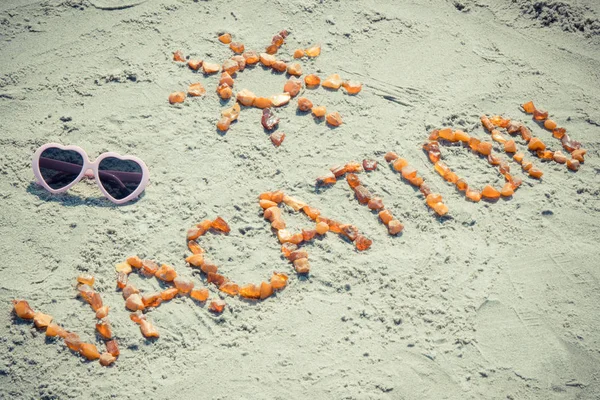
(108, 176)
(76, 169)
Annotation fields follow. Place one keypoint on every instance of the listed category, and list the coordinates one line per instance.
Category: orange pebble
(229, 288)
(245, 97)
(134, 261)
(262, 102)
(148, 330)
(196, 89)
(41, 320)
(294, 69)
(304, 104)
(322, 228)
(279, 66)
(178, 56)
(271, 49)
(267, 59)
(266, 290)
(298, 53)
(497, 136)
(390, 156)
(86, 279)
(519, 157)
(134, 302)
(210, 68)
(123, 267)
(55, 330)
(102, 312)
(528, 107)
(152, 300)
(220, 225)
(226, 78)
(352, 87)
(540, 115)
(224, 91)
(225, 38)
(507, 190)
(573, 165)
(308, 235)
(332, 82)
(107, 359)
(89, 351)
(334, 119)
(473, 195)
(223, 124)
(197, 260)
(440, 208)
(184, 285)
(490, 193)
(362, 243)
(169, 294)
(578, 155)
(536, 144)
(199, 294)
(103, 328)
(385, 216)
(545, 154)
(208, 267)
(447, 134)
(217, 279)
(319, 111)
(510, 146)
(231, 113)
(72, 341)
(312, 80)
(250, 291)
(217, 306)
(474, 143)
(559, 133)
(399, 163)
(281, 99)
(251, 57)
(22, 309)
(129, 290)
(395, 227)
(113, 348)
(559, 157)
(550, 124)
(302, 266)
(535, 173)
(278, 280)
(149, 267)
(292, 86)
(313, 51)
(461, 136)
(237, 47)
(484, 148)
(433, 198)
(194, 64)
(176, 97)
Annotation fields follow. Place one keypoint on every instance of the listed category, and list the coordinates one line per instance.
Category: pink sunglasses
(120, 178)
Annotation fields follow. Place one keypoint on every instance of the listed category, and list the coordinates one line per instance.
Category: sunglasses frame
(87, 166)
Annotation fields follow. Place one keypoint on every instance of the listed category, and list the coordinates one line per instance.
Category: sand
(498, 300)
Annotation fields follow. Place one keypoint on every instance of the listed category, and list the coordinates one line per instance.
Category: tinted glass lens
(119, 178)
(60, 167)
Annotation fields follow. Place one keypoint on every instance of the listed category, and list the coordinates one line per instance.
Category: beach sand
(497, 300)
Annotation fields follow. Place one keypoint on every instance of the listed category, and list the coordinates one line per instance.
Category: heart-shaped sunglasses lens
(59, 167)
(119, 177)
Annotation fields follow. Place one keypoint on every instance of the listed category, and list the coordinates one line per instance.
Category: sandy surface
(496, 301)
